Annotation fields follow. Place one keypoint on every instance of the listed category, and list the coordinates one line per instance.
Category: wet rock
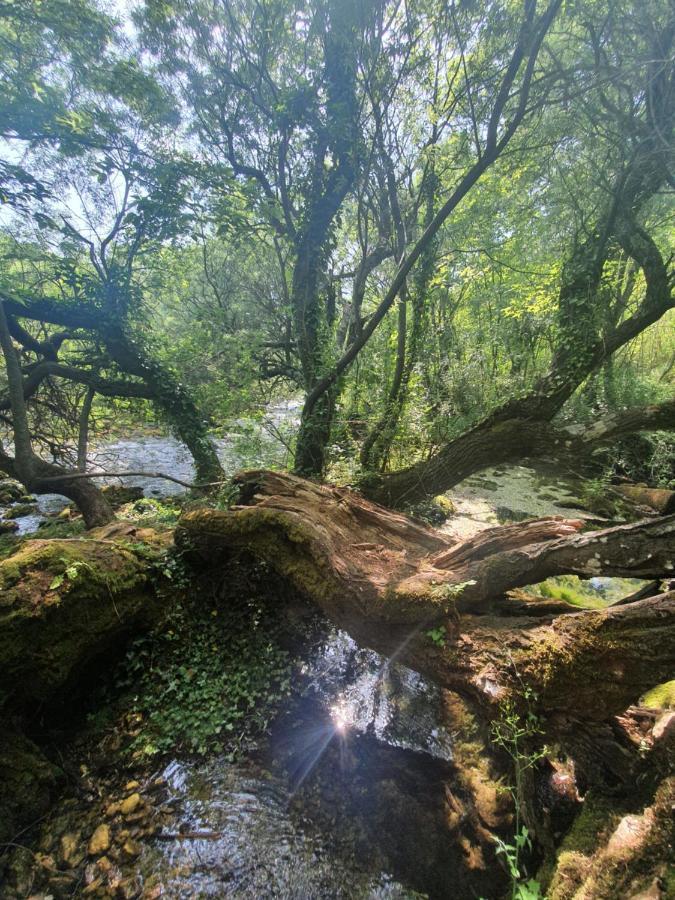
(130, 804)
(21, 509)
(117, 495)
(99, 841)
(130, 850)
(8, 527)
(70, 849)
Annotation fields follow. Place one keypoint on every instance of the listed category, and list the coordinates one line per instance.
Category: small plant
(514, 732)
(70, 573)
(437, 635)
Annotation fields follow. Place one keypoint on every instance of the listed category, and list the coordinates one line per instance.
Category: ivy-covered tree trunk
(171, 398)
(330, 185)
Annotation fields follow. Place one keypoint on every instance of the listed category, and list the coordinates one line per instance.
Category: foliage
(213, 674)
(516, 731)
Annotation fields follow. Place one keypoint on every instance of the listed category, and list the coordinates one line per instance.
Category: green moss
(62, 602)
(660, 697)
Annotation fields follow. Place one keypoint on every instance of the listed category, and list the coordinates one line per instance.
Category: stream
(349, 794)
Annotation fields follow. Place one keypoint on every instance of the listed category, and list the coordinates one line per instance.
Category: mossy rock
(28, 785)
(611, 854)
(118, 494)
(63, 602)
(8, 527)
(11, 491)
(21, 509)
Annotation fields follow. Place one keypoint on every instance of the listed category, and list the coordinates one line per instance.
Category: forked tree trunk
(28, 468)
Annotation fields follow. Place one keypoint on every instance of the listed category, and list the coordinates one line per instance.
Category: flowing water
(348, 795)
(317, 810)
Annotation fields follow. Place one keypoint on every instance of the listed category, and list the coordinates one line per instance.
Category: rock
(100, 840)
(130, 804)
(8, 527)
(104, 864)
(11, 491)
(629, 834)
(70, 848)
(112, 809)
(63, 603)
(130, 850)
(117, 495)
(29, 782)
(21, 509)
(664, 729)
(92, 887)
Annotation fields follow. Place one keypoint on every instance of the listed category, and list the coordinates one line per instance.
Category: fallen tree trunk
(389, 580)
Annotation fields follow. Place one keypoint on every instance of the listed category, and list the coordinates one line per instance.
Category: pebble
(99, 841)
(130, 804)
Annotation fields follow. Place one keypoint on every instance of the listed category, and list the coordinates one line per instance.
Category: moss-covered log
(63, 602)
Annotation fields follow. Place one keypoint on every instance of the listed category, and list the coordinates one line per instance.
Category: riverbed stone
(21, 509)
(130, 804)
(99, 842)
(7, 526)
(70, 847)
(11, 491)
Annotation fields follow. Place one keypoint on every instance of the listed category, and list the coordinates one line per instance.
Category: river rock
(8, 527)
(10, 491)
(21, 509)
(130, 850)
(70, 847)
(130, 804)
(100, 840)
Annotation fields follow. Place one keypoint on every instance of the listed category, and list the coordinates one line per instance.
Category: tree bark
(158, 384)
(28, 468)
(498, 440)
(389, 580)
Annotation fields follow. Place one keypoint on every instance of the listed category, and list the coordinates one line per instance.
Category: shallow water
(247, 829)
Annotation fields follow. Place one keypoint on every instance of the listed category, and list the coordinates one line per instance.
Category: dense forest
(337, 399)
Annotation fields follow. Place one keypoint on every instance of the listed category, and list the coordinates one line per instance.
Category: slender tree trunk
(83, 431)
